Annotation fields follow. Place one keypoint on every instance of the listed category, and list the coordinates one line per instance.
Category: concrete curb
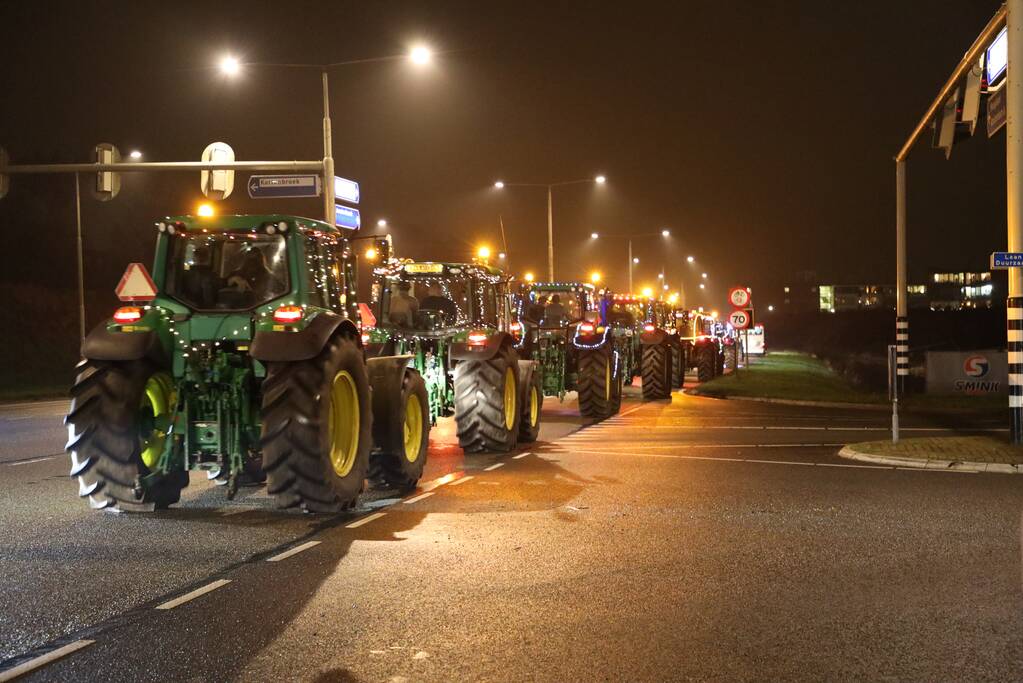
(793, 402)
(956, 465)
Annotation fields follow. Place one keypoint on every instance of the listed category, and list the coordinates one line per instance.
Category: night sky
(760, 133)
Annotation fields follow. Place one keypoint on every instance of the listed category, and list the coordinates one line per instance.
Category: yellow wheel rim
(509, 399)
(413, 428)
(607, 380)
(344, 423)
(157, 400)
(534, 406)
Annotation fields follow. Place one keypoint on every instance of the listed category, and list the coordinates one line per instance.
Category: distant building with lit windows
(944, 292)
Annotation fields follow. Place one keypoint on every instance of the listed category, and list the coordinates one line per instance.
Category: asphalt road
(691, 539)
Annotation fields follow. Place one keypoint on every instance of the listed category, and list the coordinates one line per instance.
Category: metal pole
(1014, 206)
(630, 265)
(81, 260)
(901, 285)
(328, 157)
(550, 235)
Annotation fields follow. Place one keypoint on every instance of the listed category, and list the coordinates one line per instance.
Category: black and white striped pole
(1014, 207)
(901, 284)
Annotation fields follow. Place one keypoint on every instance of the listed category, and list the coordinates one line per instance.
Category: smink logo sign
(976, 367)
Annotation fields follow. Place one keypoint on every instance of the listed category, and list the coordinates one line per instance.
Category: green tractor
(248, 364)
(703, 343)
(564, 332)
(454, 320)
(663, 353)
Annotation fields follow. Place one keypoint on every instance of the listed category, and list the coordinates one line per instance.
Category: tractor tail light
(365, 338)
(648, 328)
(586, 328)
(478, 338)
(127, 314)
(288, 314)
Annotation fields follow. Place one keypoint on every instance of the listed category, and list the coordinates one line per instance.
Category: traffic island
(966, 453)
(789, 377)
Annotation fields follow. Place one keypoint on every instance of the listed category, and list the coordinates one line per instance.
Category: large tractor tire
(596, 383)
(403, 438)
(117, 426)
(678, 367)
(705, 363)
(617, 384)
(532, 407)
(656, 371)
(487, 413)
(317, 429)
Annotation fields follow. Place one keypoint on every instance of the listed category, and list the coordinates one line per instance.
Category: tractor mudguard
(592, 341)
(658, 336)
(101, 344)
(301, 345)
(462, 351)
(386, 374)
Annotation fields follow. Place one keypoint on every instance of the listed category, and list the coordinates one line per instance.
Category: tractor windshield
(554, 308)
(446, 295)
(226, 271)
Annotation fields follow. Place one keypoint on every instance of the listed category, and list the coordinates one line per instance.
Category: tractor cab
(556, 304)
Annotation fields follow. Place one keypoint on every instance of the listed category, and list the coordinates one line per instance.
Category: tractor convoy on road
(253, 358)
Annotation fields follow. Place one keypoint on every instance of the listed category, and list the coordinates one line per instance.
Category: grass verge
(984, 449)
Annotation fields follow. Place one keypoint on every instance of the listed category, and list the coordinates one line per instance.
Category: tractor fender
(386, 375)
(657, 336)
(462, 351)
(102, 344)
(596, 340)
(304, 344)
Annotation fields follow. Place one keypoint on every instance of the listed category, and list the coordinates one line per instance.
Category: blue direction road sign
(347, 217)
(277, 186)
(1000, 260)
(345, 189)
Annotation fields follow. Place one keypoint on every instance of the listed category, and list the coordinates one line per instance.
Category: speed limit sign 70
(739, 319)
(739, 297)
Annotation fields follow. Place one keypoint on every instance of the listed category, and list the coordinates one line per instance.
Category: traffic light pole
(328, 157)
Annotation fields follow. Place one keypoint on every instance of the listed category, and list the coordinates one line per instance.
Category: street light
(594, 235)
(371, 254)
(634, 260)
(483, 252)
(690, 259)
(600, 180)
(703, 286)
(703, 275)
(420, 55)
(770, 308)
(135, 155)
(665, 233)
(231, 66)
(382, 223)
(648, 292)
(502, 255)
(595, 277)
(528, 277)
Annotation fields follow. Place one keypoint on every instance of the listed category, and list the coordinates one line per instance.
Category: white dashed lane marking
(365, 520)
(414, 499)
(43, 660)
(294, 551)
(520, 456)
(198, 592)
(495, 466)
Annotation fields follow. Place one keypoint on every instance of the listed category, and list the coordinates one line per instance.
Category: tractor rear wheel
(317, 429)
(403, 437)
(705, 363)
(529, 425)
(117, 427)
(656, 371)
(487, 411)
(596, 385)
(678, 367)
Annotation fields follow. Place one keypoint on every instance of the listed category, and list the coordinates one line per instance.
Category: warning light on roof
(205, 210)
(528, 277)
